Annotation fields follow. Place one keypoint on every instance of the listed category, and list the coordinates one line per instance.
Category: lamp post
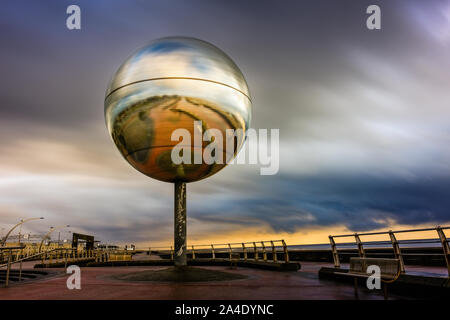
(177, 83)
(52, 229)
(22, 221)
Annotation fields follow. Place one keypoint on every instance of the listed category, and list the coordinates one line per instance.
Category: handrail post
(397, 251)
(445, 246)
(274, 252)
(334, 252)
(229, 250)
(20, 268)
(8, 268)
(171, 253)
(264, 251)
(244, 249)
(213, 254)
(361, 252)
(193, 253)
(286, 253)
(65, 263)
(256, 257)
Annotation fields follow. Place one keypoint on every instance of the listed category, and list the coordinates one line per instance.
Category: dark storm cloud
(362, 202)
(59, 77)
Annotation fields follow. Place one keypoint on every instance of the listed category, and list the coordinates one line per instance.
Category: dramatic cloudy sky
(364, 119)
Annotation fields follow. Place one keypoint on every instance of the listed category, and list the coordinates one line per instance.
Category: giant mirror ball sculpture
(167, 85)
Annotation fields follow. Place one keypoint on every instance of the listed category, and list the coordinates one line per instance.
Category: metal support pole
(8, 268)
(445, 247)
(229, 250)
(361, 252)
(264, 251)
(334, 252)
(213, 254)
(193, 253)
(171, 253)
(180, 224)
(397, 251)
(256, 251)
(65, 262)
(20, 266)
(244, 249)
(274, 252)
(286, 253)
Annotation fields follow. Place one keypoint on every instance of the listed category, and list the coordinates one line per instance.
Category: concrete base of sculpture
(180, 274)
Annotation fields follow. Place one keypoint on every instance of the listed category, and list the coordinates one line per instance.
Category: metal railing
(51, 256)
(254, 250)
(396, 244)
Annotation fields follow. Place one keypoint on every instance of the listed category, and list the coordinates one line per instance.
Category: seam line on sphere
(177, 78)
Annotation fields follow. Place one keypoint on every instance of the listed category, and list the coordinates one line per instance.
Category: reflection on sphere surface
(168, 85)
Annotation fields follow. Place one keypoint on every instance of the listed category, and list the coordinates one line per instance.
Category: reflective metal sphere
(168, 85)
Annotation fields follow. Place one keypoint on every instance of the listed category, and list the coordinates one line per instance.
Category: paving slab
(97, 283)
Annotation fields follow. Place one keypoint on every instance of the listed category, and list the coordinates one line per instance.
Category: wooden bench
(389, 270)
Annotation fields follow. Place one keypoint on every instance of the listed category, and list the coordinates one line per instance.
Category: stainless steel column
(180, 257)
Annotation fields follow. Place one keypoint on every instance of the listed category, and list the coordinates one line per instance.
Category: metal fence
(396, 244)
(269, 250)
(16, 255)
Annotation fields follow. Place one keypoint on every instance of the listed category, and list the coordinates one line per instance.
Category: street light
(52, 229)
(22, 221)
